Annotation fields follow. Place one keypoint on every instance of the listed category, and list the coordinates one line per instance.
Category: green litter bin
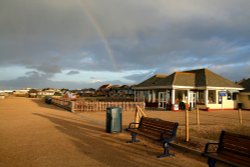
(114, 120)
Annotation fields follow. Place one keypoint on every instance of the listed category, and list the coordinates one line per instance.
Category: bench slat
(231, 155)
(144, 133)
(236, 144)
(237, 141)
(236, 149)
(236, 161)
(156, 129)
(233, 149)
(157, 126)
(160, 123)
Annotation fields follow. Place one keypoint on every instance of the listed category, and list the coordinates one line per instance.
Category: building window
(211, 96)
(219, 99)
(149, 96)
(201, 97)
(229, 95)
(235, 96)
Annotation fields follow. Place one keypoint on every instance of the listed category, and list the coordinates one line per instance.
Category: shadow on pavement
(42, 104)
(108, 149)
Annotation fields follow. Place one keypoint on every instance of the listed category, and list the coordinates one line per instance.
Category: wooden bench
(155, 129)
(232, 149)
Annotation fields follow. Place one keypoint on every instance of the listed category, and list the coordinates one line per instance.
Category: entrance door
(192, 99)
(162, 100)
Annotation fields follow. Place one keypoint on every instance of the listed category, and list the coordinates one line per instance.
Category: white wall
(226, 104)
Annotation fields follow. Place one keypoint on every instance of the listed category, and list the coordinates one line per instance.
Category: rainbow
(100, 33)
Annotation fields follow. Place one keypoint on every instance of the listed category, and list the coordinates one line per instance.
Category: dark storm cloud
(162, 36)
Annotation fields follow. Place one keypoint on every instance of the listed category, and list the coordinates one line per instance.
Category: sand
(33, 133)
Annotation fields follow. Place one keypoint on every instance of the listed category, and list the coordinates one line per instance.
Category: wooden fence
(88, 106)
(63, 103)
(102, 106)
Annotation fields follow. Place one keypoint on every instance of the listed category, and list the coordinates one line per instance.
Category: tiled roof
(245, 84)
(193, 78)
(184, 79)
(205, 77)
(156, 80)
(105, 86)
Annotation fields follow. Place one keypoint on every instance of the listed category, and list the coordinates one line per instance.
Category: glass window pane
(211, 96)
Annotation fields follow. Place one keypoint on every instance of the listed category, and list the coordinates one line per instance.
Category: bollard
(186, 126)
(198, 116)
(240, 116)
(137, 118)
(72, 106)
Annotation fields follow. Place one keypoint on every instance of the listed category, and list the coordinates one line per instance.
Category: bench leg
(165, 151)
(211, 162)
(133, 138)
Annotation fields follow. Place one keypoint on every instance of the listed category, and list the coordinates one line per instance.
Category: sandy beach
(33, 133)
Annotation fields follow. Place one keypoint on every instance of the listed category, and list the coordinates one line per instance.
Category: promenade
(35, 134)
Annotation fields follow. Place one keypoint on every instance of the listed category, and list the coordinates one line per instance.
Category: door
(192, 99)
(162, 100)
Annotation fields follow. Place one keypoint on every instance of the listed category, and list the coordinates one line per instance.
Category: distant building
(121, 91)
(88, 92)
(114, 91)
(7, 91)
(47, 92)
(245, 94)
(110, 90)
(103, 90)
(194, 88)
(33, 93)
(21, 92)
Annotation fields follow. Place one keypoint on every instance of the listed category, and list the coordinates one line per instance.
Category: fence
(109, 99)
(197, 113)
(63, 103)
(88, 106)
(82, 106)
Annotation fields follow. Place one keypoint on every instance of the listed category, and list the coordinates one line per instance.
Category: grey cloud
(73, 72)
(233, 72)
(48, 67)
(37, 80)
(161, 35)
(33, 79)
(137, 78)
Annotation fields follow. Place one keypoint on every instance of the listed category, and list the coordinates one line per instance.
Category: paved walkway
(36, 134)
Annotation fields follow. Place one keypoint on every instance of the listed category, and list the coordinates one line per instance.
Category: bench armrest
(133, 123)
(207, 147)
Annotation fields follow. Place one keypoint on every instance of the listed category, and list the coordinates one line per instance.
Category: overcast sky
(86, 43)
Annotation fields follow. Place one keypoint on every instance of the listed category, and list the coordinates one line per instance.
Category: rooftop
(195, 78)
